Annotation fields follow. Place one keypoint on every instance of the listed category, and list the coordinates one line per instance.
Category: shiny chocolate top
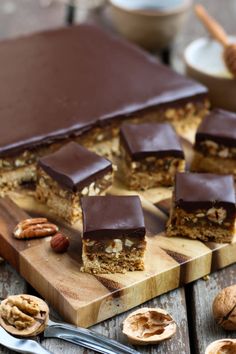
(219, 126)
(74, 167)
(204, 190)
(59, 83)
(112, 216)
(150, 139)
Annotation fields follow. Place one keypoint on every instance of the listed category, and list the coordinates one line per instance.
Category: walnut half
(149, 326)
(222, 346)
(24, 315)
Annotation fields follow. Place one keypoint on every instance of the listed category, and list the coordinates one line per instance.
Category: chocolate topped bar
(73, 166)
(218, 126)
(150, 139)
(119, 216)
(204, 190)
(69, 80)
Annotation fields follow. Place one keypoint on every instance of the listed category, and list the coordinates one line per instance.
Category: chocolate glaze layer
(74, 167)
(112, 216)
(204, 190)
(72, 79)
(218, 126)
(150, 139)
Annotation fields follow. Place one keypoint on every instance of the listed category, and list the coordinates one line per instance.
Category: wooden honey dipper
(217, 31)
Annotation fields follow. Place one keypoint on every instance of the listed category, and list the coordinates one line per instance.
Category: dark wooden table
(191, 305)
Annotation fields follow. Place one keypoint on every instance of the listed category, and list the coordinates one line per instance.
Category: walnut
(222, 346)
(224, 153)
(33, 228)
(116, 246)
(216, 215)
(24, 315)
(149, 326)
(84, 191)
(224, 308)
(128, 243)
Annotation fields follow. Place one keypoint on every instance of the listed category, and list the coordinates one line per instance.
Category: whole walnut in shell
(24, 315)
(222, 346)
(149, 326)
(224, 308)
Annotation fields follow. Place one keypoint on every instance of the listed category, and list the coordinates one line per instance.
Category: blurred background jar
(153, 24)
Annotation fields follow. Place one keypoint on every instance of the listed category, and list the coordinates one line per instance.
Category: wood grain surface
(204, 328)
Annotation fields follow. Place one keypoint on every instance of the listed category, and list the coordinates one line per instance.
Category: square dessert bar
(215, 144)
(68, 174)
(203, 207)
(151, 154)
(113, 234)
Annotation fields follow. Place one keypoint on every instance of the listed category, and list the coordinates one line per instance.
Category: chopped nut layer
(208, 225)
(212, 148)
(113, 261)
(24, 315)
(215, 164)
(150, 172)
(66, 203)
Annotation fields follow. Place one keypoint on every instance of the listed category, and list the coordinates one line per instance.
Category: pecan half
(24, 315)
(33, 228)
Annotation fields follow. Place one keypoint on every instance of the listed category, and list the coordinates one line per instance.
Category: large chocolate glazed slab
(59, 73)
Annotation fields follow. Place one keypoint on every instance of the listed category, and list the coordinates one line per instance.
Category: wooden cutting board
(85, 299)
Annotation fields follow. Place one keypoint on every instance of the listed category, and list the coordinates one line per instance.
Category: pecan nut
(33, 228)
(24, 315)
(59, 243)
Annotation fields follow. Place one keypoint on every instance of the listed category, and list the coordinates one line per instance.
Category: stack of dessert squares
(107, 92)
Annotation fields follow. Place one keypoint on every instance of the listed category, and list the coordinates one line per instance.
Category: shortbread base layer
(206, 225)
(183, 117)
(203, 163)
(103, 263)
(65, 203)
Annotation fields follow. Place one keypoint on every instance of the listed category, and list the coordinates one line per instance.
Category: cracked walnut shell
(224, 308)
(24, 315)
(222, 346)
(149, 326)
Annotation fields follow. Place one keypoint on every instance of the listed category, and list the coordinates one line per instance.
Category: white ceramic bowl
(204, 62)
